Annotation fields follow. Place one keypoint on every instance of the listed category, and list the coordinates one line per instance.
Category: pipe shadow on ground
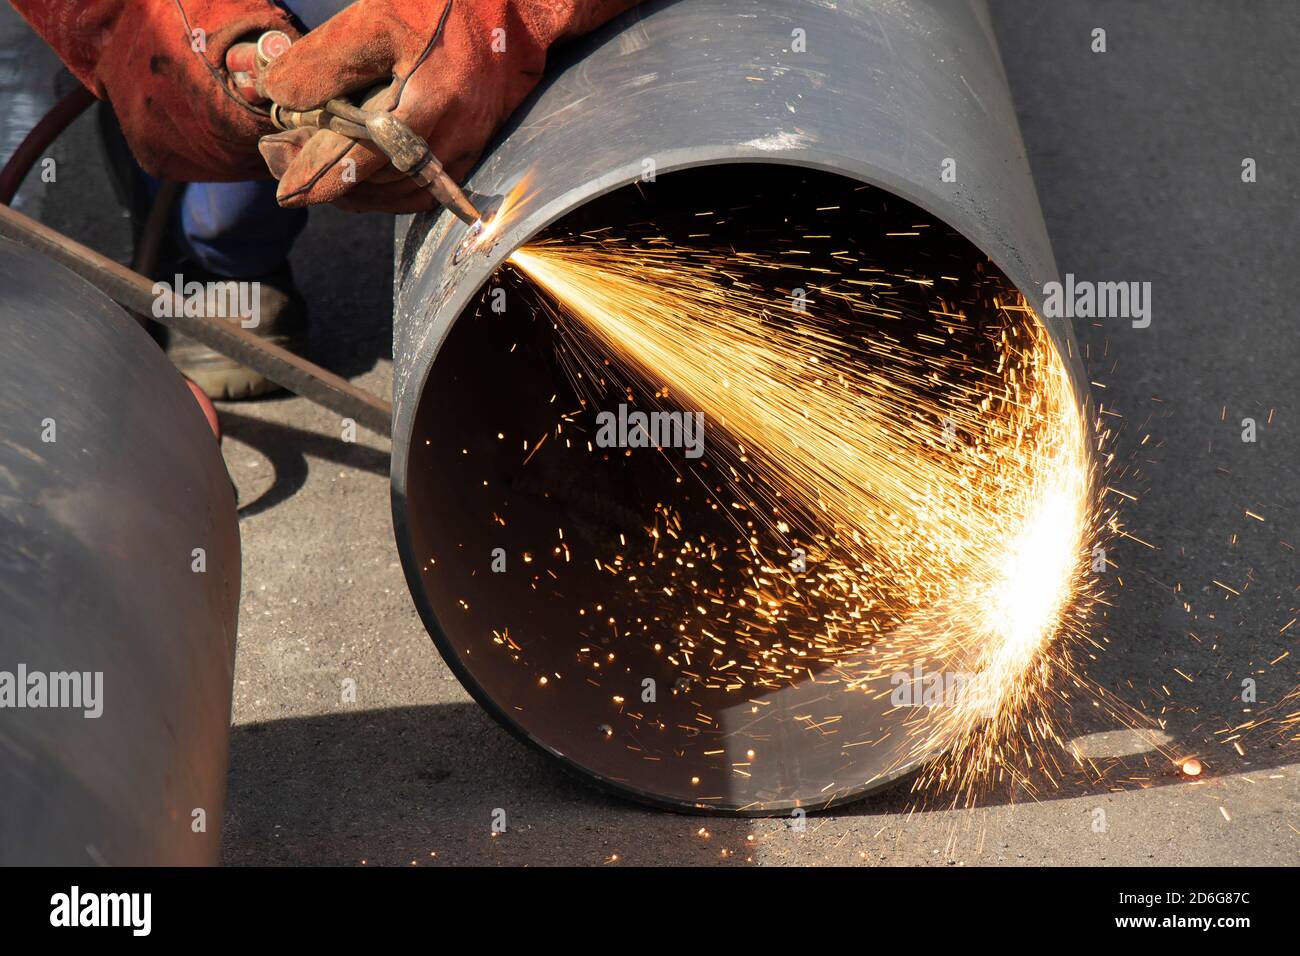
(421, 785)
(287, 449)
(392, 787)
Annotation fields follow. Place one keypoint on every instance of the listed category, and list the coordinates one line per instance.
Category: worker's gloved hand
(162, 65)
(453, 71)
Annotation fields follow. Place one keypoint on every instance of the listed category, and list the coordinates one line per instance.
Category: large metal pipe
(889, 93)
(119, 586)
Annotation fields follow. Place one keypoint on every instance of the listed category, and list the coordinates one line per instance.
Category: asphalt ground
(1137, 156)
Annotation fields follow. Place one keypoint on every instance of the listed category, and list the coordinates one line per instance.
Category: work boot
(281, 318)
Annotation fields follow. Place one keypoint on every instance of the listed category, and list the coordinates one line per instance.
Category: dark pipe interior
(559, 649)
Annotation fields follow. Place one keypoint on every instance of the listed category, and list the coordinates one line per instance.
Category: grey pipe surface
(119, 586)
(884, 93)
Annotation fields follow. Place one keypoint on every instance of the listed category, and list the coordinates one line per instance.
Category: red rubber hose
(39, 139)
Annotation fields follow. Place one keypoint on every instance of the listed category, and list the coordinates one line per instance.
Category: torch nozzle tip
(477, 238)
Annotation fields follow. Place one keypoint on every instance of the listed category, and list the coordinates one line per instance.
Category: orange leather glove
(162, 65)
(453, 70)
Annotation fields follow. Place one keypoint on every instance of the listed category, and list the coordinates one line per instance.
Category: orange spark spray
(951, 501)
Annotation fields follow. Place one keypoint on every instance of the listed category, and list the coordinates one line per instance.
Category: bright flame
(520, 194)
(1035, 580)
